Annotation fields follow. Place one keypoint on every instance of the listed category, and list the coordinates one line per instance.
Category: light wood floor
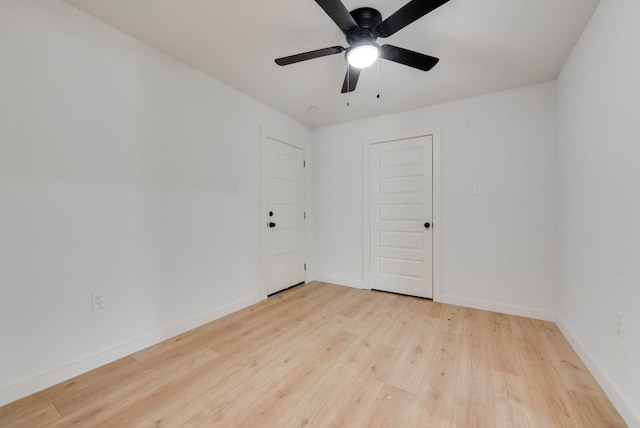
(322, 355)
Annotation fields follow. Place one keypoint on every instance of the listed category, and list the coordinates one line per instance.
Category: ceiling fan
(361, 28)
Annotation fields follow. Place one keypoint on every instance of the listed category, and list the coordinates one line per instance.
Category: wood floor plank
(474, 376)
(287, 320)
(391, 408)
(315, 401)
(413, 362)
(357, 397)
(326, 355)
(500, 337)
(81, 383)
(230, 408)
(471, 413)
(91, 410)
(513, 402)
(35, 418)
(595, 410)
(527, 340)
(435, 401)
(182, 409)
(336, 379)
(141, 409)
(285, 394)
(549, 397)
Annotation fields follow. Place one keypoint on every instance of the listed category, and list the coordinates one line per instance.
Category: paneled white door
(400, 213)
(285, 217)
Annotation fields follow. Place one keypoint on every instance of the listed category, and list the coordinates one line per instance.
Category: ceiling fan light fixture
(361, 28)
(363, 56)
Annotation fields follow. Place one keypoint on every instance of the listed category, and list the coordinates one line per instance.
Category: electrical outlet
(97, 300)
(620, 325)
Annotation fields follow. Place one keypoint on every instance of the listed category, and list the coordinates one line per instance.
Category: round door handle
(427, 225)
(272, 224)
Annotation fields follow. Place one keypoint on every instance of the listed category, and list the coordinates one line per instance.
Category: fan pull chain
(378, 70)
(348, 83)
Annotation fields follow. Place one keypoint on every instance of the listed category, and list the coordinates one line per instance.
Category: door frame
(265, 135)
(436, 170)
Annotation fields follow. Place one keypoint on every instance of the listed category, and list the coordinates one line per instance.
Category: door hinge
(304, 163)
(305, 266)
(305, 215)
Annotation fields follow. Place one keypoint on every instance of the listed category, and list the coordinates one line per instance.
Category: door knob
(272, 224)
(427, 225)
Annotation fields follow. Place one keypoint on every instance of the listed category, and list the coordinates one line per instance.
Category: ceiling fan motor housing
(368, 20)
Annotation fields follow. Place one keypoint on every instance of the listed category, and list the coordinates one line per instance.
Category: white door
(285, 216)
(400, 213)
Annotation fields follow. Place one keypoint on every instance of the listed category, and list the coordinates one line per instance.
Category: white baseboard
(339, 281)
(45, 380)
(459, 301)
(628, 413)
(522, 311)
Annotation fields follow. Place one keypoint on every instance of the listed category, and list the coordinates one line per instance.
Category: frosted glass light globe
(363, 56)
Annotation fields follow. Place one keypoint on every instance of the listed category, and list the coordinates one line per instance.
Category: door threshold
(285, 289)
(402, 294)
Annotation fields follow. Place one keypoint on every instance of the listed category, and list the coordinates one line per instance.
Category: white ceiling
(483, 46)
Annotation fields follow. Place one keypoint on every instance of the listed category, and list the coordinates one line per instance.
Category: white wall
(599, 152)
(499, 249)
(118, 173)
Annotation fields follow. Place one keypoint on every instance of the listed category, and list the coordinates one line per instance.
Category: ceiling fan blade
(309, 55)
(340, 15)
(350, 80)
(408, 13)
(406, 57)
